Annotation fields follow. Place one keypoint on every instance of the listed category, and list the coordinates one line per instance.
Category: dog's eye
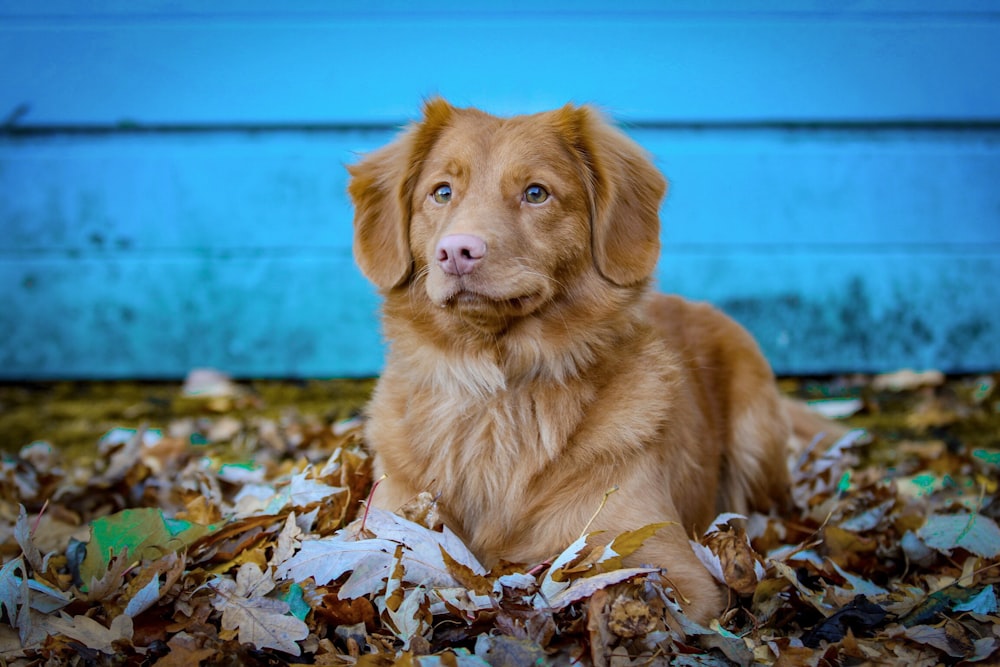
(535, 194)
(442, 194)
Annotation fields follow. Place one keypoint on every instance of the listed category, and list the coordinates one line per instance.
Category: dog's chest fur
(485, 443)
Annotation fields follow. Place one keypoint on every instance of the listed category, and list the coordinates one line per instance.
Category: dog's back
(735, 387)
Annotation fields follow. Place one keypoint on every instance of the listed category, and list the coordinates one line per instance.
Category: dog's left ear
(625, 193)
(381, 186)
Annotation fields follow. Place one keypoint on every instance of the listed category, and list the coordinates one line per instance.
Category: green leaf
(296, 601)
(988, 456)
(145, 532)
(984, 602)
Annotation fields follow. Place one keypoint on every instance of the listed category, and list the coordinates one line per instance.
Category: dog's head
(495, 215)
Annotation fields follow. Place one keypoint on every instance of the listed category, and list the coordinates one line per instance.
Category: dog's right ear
(625, 190)
(381, 187)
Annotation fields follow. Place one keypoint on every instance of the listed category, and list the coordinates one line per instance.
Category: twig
(604, 501)
(38, 519)
(368, 503)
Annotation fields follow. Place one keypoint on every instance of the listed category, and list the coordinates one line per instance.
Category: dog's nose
(458, 254)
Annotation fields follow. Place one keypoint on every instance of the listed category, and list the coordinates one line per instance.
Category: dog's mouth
(465, 300)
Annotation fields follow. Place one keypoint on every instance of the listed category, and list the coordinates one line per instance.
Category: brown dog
(531, 368)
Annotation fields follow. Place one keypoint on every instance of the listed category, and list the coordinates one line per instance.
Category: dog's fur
(521, 388)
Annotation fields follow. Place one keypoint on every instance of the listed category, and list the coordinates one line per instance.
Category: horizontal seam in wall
(14, 130)
(40, 21)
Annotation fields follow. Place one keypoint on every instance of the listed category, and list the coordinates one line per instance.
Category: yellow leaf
(466, 576)
(627, 544)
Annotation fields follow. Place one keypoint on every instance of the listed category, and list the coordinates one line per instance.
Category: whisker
(418, 280)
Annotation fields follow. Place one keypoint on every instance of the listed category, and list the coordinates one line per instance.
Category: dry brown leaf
(856, 527)
(113, 580)
(907, 379)
(630, 618)
(94, 634)
(261, 621)
(347, 612)
(740, 563)
(185, 651)
(422, 510)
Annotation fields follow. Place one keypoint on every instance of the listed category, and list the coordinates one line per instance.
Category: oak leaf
(263, 622)
(92, 633)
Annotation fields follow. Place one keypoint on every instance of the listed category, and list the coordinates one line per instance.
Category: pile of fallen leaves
(229, 538)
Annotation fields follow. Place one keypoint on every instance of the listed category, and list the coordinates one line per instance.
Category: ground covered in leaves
(222, 523)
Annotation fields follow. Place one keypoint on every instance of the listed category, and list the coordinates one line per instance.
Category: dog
(530, 365)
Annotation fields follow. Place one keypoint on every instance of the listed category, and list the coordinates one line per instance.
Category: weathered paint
(193, 62)
(819, 312)
(153, 317)
(305, 315)
(834, 171)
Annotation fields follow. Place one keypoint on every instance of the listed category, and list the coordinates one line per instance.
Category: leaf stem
(604, 501)
(368, 503)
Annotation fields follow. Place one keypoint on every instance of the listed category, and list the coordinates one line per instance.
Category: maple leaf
(302, 490)
(423, 542)
(265, 623)
(371, 560)
(252, 581)
(326, 559)
(861, 528)
(261, 621)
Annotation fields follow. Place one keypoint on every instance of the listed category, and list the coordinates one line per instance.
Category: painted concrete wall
(172, 181)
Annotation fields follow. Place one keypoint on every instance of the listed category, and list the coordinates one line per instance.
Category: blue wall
(172, 181)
